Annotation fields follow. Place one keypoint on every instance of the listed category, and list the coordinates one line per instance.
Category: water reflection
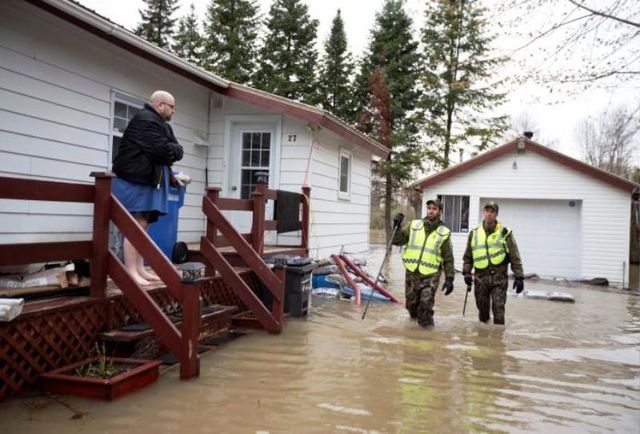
(554, 368)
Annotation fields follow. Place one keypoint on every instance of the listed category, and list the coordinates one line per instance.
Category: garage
(570, 220)
(547, 233)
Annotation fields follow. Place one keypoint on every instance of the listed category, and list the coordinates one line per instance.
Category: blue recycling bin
(164, 232)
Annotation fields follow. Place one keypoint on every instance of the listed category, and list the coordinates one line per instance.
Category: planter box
(64, 380)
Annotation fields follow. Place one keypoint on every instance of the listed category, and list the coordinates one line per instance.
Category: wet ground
(555, 367)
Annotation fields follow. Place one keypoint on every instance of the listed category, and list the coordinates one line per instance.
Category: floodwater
(555, 367)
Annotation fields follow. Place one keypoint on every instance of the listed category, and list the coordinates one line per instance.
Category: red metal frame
(367, 279)
(347, 276)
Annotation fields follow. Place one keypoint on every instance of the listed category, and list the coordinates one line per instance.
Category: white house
(569, 219)
(69, 82)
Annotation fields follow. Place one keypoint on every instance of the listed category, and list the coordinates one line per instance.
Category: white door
(547, 233)
(252, 150)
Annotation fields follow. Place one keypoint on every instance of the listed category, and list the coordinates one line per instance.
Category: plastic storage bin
(164, 232)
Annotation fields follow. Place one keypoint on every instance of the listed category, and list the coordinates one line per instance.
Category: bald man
(142, 164)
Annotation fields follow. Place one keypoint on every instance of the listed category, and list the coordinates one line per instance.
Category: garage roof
(523, 143)
(102, 27)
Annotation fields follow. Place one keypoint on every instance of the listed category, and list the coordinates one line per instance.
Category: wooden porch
(176, 314)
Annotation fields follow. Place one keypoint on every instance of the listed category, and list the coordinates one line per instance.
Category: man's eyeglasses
(173, 107)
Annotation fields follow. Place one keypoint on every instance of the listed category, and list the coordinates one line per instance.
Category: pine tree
(456, 79)
(288, 56)
(157, 24)
(375, 117)
(335, 81)
(188, 42)
(231, 32)
(394, 50)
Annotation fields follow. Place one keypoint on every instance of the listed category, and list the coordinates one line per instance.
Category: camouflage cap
(492, 204)
(436, 202)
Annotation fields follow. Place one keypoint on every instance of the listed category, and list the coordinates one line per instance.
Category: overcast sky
(557, 121)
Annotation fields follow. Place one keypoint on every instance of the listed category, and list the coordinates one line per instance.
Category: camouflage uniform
(492, 282)
(420, 290)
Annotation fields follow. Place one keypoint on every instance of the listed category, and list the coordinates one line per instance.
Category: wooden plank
(31, 189)
(147, 307)
(190, 364)
(240, 287)
(17, 254)
(250, 257)
(229, 204)
(147, 248)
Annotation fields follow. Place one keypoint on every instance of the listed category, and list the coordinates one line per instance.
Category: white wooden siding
(55, 119)
(338, 223)
(56, 91)
(605, 213)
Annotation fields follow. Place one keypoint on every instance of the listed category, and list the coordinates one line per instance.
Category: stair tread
(119, 335)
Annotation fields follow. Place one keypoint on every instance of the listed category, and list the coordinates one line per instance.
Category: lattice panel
(53, 339)
(37, 344)
(217, 291)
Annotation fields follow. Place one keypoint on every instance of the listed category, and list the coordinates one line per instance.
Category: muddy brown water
(555, 367)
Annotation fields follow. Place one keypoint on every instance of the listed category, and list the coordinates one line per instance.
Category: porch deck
(65, 329)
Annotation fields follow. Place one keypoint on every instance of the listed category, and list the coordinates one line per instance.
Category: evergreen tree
(334, 84)
(456, 79)
(394, 50)
(231, 32)
(288, 56)
(157, 24)
(188, 42)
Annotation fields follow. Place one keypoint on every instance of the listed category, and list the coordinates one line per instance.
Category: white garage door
(547, 233)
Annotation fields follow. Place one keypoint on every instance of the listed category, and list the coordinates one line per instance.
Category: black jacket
(148, 144)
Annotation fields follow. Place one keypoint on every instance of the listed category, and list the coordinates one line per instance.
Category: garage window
(455, 212)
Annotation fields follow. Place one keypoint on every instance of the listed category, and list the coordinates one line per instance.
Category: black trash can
(297, 283)
(297, 287)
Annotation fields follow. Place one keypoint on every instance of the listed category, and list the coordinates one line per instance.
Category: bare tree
(525, 122)
(610, 141)
(580, 42)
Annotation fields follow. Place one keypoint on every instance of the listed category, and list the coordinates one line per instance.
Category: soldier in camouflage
(490, 247)
(427, 252)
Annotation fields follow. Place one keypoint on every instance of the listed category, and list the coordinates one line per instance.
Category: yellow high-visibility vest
(424, 255)
(492, 248)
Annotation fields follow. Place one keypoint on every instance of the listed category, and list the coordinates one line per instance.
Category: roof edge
(512, 146)
(118, 35)
(306, 112)
(100, 26)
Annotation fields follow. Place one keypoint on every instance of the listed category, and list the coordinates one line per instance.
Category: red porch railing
(248, 249)
(182, 343)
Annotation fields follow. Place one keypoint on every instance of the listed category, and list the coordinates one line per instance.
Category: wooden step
(214, 317)
(245, 322)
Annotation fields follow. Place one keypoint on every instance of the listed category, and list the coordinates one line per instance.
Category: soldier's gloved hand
(447, 286)
(397, 220)
(468, 279)
(518, 285)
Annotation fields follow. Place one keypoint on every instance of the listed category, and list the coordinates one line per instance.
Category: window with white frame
(455, 212)
(344, 174)
(124, 108)
(256, 158)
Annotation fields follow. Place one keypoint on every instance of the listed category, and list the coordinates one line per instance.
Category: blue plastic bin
(164, 232)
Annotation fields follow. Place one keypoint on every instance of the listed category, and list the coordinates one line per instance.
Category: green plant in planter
(101, 368)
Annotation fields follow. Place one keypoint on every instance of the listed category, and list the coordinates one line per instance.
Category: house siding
(56, 102)
(605, 213)
(55, 119)
(339, 223)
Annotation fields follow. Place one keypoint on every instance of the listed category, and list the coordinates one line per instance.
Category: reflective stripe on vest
(489, 249)
(424, 254)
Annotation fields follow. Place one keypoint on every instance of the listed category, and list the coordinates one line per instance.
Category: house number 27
(292, 137)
